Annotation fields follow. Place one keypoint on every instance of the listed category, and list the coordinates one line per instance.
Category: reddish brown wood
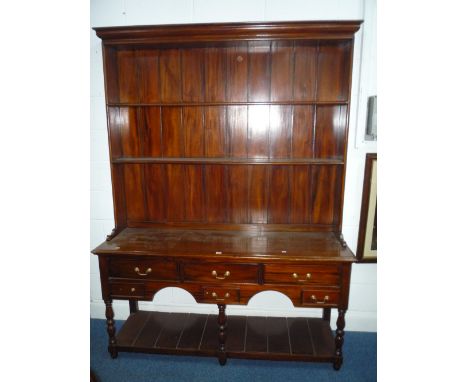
(258, 84)
(339, 339)
(191, 33)
(150, 132)
(304, 275)
(237, 72)
(302, 145)
(305, 70)
(221, 272)
(143, 269)
(170, 74)
(111, 329)
(148, 72)
(228, 149)
(256, 244)
(222, 322)
(334, 65)
(194, 200)
(215, 195)
(279, 195)
(127, 76)
(193, 123)
(237, 209)
(278, 338)
(215, 132)
(215, 74)
(230, 161)
(192, 74)
(175, 192)
(134, 192)
(156, 195)
(173, 135)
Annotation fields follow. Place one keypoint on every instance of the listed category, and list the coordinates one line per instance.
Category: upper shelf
(271, 161)
(225, 103)
(193, 33)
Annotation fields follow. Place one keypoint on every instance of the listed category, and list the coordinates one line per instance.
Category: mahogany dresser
(228, 152)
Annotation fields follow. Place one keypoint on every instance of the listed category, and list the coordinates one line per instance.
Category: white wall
(363, 296)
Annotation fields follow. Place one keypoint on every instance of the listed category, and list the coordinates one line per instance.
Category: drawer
(320, 297)
(143, 269)
(221, 272)
(216, 294)
(127, 290)
(302, 274)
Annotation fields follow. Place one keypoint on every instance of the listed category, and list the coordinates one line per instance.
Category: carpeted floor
(360, 364)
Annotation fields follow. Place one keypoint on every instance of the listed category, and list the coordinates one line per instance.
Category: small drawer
(320, 297)
(127, 290)
(302, 274)
(221, 295)
(143, 269)
(221, 272)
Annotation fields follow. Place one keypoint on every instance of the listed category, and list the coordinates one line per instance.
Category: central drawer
(221, 272)
(302, 274)
(221, 294)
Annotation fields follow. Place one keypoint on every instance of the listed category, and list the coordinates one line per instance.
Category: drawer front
(221, 272)
(320, 297)
(127, 290)
(143, 269)
(214, 294)
(302, 274)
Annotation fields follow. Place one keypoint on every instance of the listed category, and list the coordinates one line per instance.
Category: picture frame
(367, 238)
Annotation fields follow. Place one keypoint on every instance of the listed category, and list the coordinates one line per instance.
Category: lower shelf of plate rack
(292, 338)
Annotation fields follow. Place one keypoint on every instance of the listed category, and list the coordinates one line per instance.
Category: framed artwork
(367, 239)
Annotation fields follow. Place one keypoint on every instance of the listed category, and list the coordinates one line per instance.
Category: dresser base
(273, 338)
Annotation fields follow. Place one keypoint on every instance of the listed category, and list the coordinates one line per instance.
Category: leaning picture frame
(367, 238)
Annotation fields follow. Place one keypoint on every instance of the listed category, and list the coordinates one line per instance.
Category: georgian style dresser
(228, 153)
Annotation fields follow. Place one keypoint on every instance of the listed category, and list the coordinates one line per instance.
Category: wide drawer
(216, 294)
(127, 290)
(302, 274)
(221, 272)
(143, 269)
(320, 297)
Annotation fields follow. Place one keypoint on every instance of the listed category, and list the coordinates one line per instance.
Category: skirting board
(355, 320)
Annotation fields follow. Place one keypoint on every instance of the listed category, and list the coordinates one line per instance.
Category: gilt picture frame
(367, 238)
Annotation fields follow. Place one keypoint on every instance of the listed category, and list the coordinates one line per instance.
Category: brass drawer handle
(215, 295)
(314, 299)
(132, 290)
(296, 276)
(215, 274)
(137, 270)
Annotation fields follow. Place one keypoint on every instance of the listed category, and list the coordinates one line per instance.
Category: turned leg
(340, 324)
(111, 329)
(133, 306)
(222, 322)
(326, 314)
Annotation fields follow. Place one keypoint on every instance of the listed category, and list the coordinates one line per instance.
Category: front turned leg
(222, 322)
(340, 324)
(111, 329)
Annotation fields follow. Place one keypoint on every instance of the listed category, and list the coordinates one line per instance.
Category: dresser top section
(190, 33)
(222, 245)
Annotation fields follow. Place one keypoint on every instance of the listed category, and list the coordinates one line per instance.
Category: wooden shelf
(224, 103)
(292, 338)
(245, 161)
